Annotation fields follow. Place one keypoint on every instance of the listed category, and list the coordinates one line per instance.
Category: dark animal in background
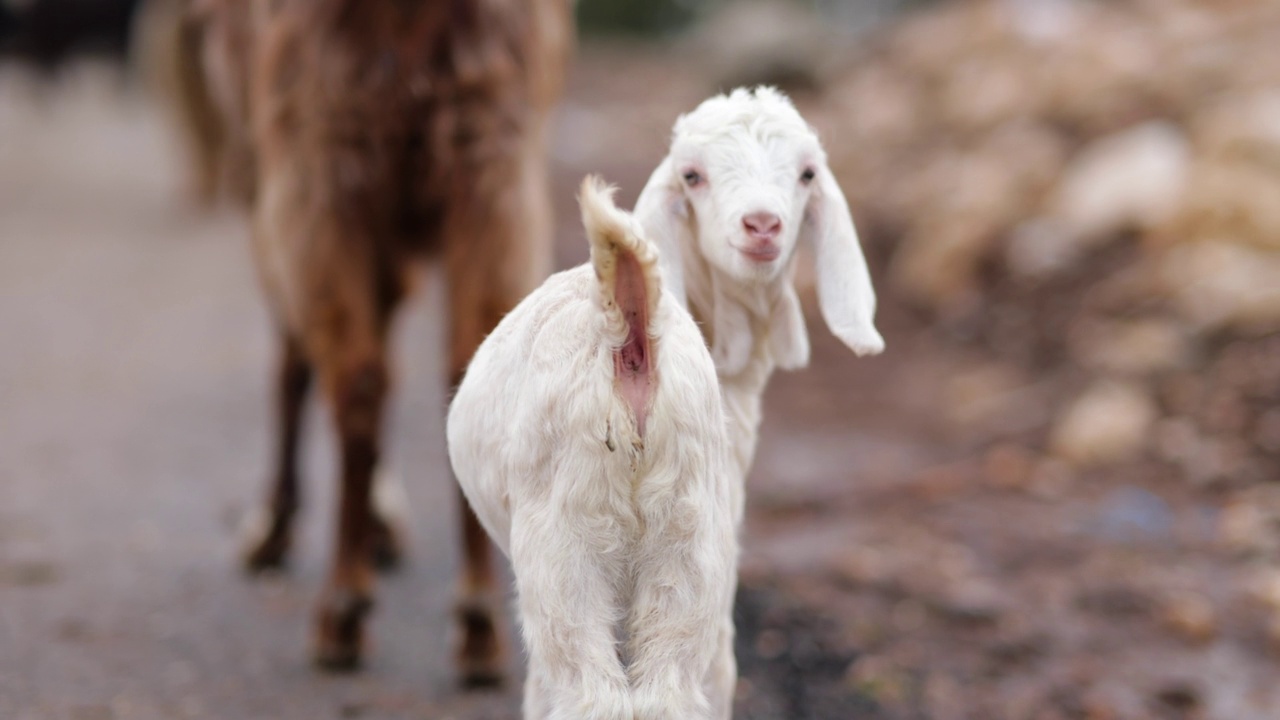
(8, 24)
(383, 135)
(47, 33)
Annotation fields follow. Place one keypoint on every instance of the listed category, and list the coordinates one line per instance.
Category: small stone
(1050, 480)
(1241, 124)
(1008, 466)
(1264, 588)
(878, 678)
(1217, 283)
(1266, 432)
(1224, 413)
(1242, 528)
(1176, 439)
(1134, 514)
(1108, 423)
(1217, 461)
(771, 644)
(972, 601)
(953, 562)
(942, 695)
(1115, 600)
(1130, 180)
(862, 566)
(1040, 248)
(1131, 347)
(1191, 617)
(1179, 695)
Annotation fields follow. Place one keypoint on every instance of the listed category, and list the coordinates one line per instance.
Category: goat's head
(746, 179)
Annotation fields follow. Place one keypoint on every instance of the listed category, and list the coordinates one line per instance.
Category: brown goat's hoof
(390, 520)
(340, 630)
(387, 545)
(265, 539)
(481, 656)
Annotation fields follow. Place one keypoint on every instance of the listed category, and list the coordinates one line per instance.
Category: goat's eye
(807, 176)
(692, 178)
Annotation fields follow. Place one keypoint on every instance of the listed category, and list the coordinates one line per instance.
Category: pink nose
(762, 225)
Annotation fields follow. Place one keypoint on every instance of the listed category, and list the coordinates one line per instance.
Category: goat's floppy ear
(664, 215)
(844, 284)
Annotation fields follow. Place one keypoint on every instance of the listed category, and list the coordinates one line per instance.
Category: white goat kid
(589, 437)
(746, 179)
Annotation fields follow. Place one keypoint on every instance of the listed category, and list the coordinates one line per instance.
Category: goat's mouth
(761, 253)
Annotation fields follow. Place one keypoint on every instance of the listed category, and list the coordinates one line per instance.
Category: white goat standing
(745, 179)
(589, 437)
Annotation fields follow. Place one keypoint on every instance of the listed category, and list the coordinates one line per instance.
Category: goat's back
(392, 113)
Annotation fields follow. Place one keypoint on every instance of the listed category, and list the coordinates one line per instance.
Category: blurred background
(1055, 496)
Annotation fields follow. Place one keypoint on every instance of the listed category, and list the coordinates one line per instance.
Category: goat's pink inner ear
(633, 362)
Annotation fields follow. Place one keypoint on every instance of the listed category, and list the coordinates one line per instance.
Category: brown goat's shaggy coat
(382, 133)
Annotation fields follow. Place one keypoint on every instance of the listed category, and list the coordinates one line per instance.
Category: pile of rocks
(1089, 187)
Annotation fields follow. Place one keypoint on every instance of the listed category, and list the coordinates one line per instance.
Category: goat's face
(746, 180)
(746, 165)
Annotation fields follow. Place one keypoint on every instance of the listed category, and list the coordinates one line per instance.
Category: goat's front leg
(679, 616)
(569, 604)
(267, 532)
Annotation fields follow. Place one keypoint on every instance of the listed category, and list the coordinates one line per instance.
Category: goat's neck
(714, 293)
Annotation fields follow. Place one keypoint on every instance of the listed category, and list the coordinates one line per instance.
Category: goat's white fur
(750, 149)
(622, 539)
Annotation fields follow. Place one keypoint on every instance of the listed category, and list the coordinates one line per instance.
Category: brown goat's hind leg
(267, 533)
(498, 250)
(389, 518)
(357, 388)
(481, 652)
(481, 655)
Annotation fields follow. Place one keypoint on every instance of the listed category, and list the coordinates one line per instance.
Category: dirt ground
(896, 565)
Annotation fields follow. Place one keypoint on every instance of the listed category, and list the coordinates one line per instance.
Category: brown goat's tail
(166, 48)
(630, 286)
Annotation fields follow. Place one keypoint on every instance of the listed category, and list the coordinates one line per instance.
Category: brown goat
(384, 133)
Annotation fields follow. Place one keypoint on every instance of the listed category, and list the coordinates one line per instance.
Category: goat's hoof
(265, 542)
(481, 656)
(387, 545)
(390, 518)
(340, 630)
